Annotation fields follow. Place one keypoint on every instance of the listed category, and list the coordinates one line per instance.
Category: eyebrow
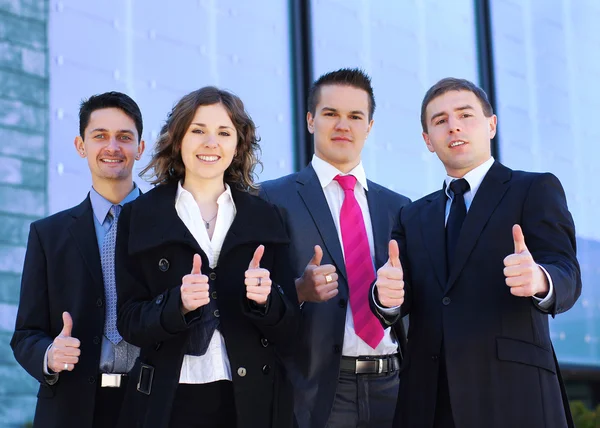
(121, 131)
(204, 125)
(336, 110)
(442, 113)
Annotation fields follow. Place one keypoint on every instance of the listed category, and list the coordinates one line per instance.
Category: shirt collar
(327, 172)
(225, 197)
(101, 205)
(473, 177)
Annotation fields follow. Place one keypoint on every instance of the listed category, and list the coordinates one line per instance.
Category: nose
(454, 125)
(113, 144)
(342, 124)
(210, 141)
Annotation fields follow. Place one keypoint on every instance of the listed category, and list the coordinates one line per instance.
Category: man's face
(110, 144)
(340, 125)
(458, 131)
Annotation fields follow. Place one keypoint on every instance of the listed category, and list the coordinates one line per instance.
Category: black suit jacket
(314, 367)
(501, 367)
(62, 272)
(154, 251)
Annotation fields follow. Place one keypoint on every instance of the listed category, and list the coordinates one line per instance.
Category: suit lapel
(379, 222)
(311, 192)
(490, 193)
(434, 234)
(83, 232)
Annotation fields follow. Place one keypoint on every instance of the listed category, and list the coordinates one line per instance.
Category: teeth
(111, 160)
(457, 143)
(208, 158)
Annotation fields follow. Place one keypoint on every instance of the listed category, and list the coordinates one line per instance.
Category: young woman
(205, 288)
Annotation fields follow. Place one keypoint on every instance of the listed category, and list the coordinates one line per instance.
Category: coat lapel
(490, 193)
(83, 232)
(312, 195)
(434, 233)
(379, 221)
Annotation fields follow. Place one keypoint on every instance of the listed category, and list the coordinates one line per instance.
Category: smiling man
(345, 370)
(485, 261)
(65, 334)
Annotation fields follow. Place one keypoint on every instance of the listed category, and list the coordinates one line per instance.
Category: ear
(310, 122)
(141, 148)
(428, 142)
(493, 124)
(79, 146)
(370, 126)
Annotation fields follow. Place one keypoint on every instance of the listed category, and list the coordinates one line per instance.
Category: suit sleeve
(32, 334)
(550, 237)
(143, 319)
(280, 323)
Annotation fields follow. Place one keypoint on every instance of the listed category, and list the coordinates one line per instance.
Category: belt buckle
(369, 365)
(109, 380)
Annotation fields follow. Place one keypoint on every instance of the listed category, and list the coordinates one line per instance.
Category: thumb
(317, 257)
(519, 239)
(394, 254)
(67, 324)
(197, 265)
(255, 262)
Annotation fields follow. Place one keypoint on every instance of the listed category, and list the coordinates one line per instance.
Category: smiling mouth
(113, 161)
(457, 144)
(208, 158)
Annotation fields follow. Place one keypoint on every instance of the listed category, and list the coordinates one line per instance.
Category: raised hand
(317, 283)
(64, 351)
(523, 275)
(258, 280)
(390, 279)
(194, 288)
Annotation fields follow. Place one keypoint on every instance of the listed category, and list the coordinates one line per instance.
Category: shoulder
(279, 183)
(388, 194)
(61, 218)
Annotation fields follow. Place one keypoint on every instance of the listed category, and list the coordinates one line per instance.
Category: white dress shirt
(214, 364)
(354, 346)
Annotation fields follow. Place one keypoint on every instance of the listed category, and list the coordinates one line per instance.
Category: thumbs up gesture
(390, 279)
(64, 351)
(319, 282)
(258, 280)
(194, 288)
(523, 275)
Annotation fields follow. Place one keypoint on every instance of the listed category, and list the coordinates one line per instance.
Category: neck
(113, 191)
(204, 191)
(345, 167)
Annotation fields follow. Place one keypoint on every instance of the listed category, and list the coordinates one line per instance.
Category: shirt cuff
(395, 310)
(51, 378)
(547, 301)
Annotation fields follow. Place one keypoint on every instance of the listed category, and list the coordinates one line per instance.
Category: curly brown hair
(166, 165)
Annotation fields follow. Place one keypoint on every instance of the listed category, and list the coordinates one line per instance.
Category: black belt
(370, 365)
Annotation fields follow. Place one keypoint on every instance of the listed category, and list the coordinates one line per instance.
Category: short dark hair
(453, 84)
(354, 77)
(166, 165)
(110, 100)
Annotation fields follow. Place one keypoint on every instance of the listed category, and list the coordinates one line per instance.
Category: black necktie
(458, 212)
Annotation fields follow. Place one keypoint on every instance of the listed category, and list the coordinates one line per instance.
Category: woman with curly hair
(204, 284)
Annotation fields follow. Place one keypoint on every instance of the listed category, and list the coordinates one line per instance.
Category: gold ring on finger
(328, 279)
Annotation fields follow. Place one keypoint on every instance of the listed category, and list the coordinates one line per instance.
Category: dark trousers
(208, 405)
(107, 405)
(364, 401)
(443, 410)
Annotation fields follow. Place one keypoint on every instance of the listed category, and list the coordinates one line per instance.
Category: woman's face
(209, 145)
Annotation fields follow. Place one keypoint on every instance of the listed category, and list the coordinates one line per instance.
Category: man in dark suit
(65, 334)
(345, 368)
(485, 261)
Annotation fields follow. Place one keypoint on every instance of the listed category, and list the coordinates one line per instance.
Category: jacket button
(342, 303)
(266, 369)
(264, 342)
(212, 276)
(435, 357)
(241, 371)
(99, 302)
(96, 340)
(216, 313)
(337, 349)
(159, 299)
(163, 265)
(446, 301)
(214, 295)
(91, 379)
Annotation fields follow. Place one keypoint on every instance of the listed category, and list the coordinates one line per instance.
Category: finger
(329, 295)
(259, 291)
(67, 324)
(70, 360)
(326, 288)
(324, 270)
(519, 239)
(390, 273)
(258, 253)
(258, 298)
(259, 272)
(70, 343)
(317, 257)
(394, 254)
(197, 265)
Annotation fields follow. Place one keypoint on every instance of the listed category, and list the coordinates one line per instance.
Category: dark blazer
(62, 272)
(315, 366)
(154, 251)
(501, 367)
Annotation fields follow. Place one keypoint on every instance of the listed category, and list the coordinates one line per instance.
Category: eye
(197, 131)
(98, 136)
(439, 122)
(330, 114)
(126, 137)
(355, 117)
(224, 133)
(467, 115)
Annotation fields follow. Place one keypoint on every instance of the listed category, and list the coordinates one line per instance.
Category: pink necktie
(359, 266)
